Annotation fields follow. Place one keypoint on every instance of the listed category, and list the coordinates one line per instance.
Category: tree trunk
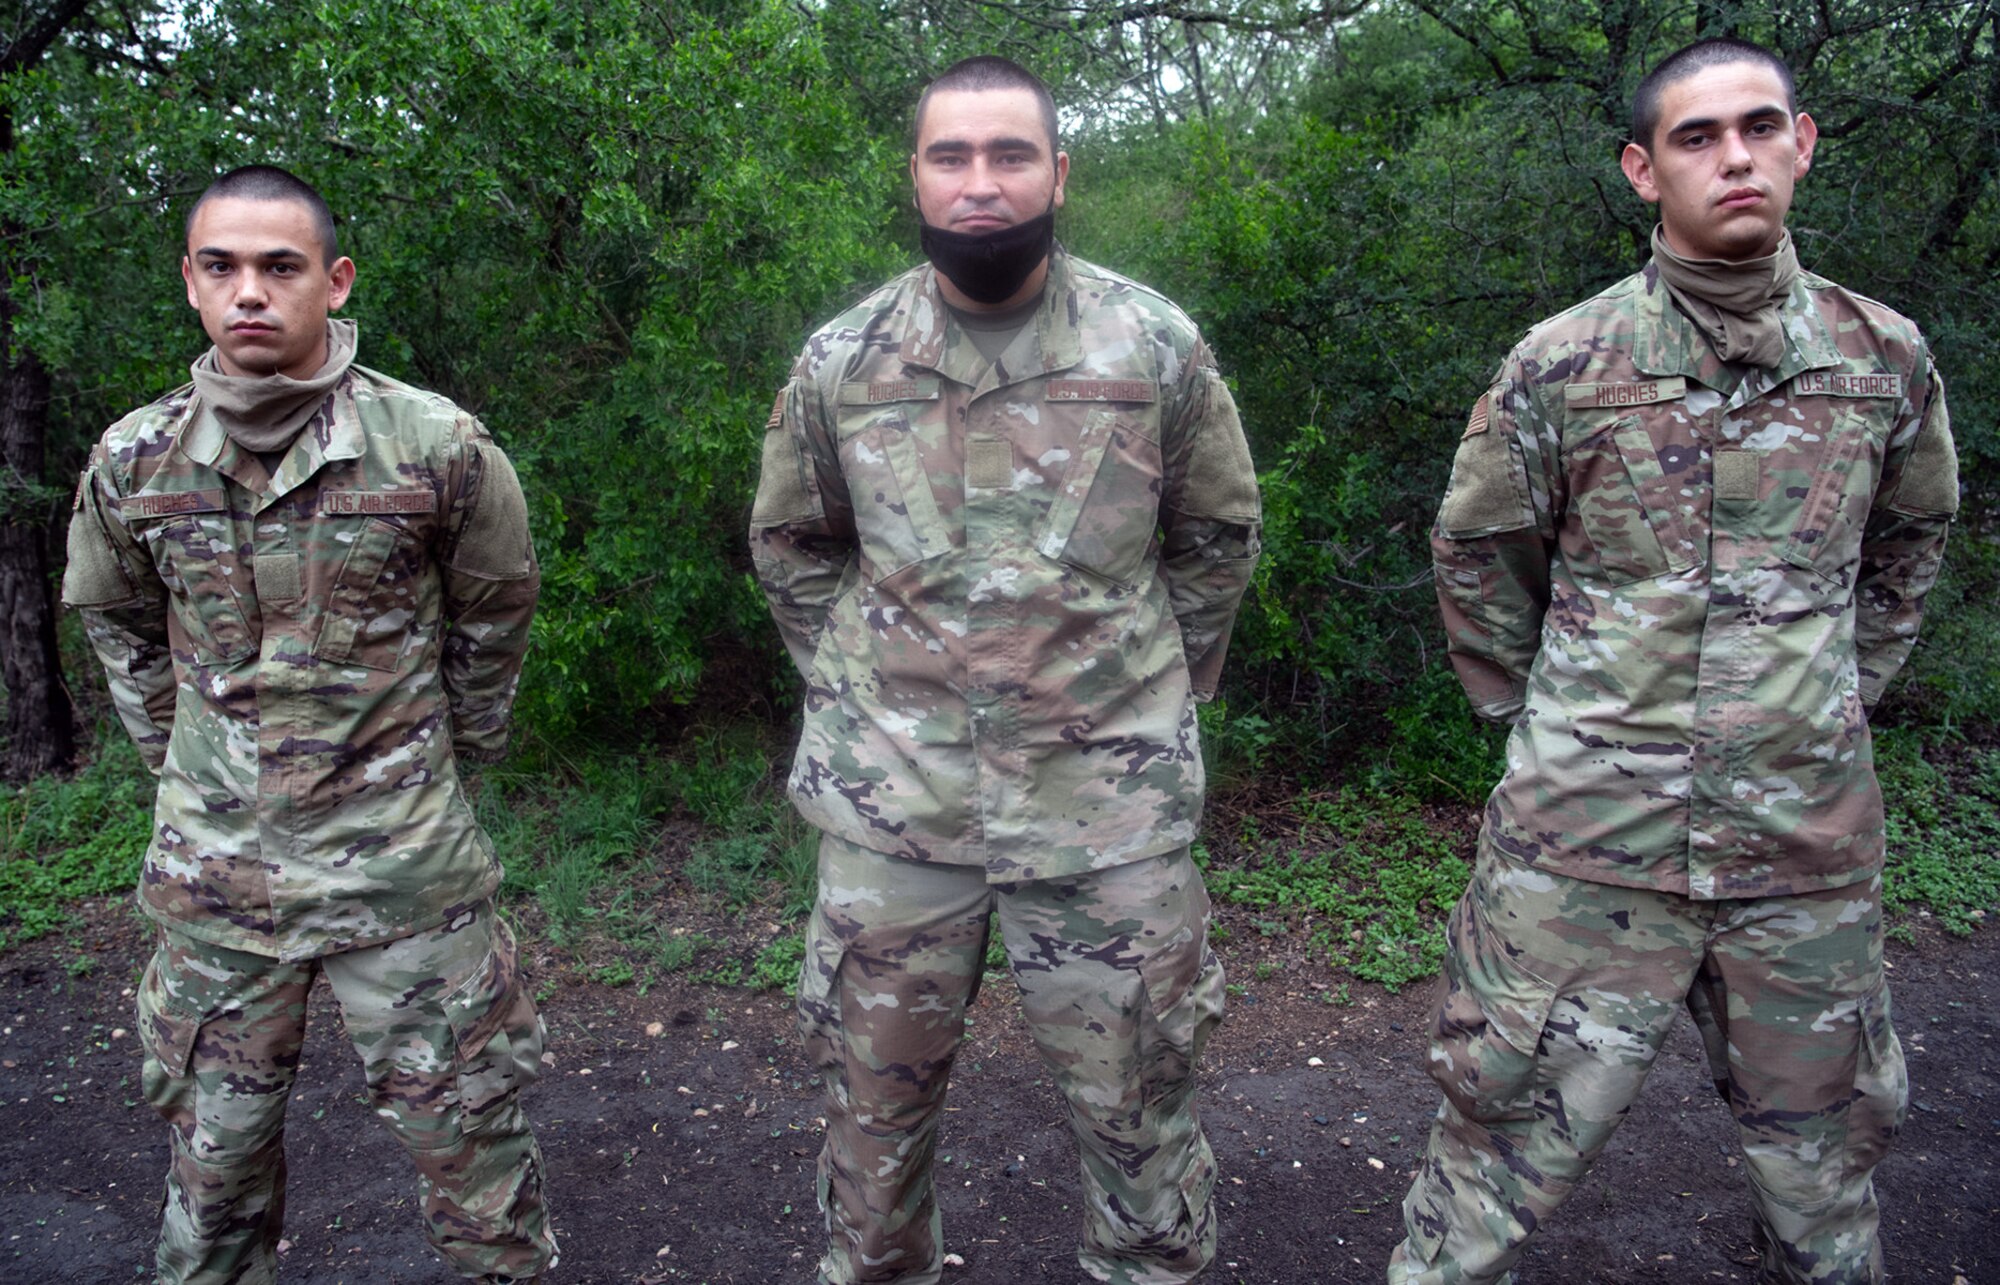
(40, 726)
(40, 732)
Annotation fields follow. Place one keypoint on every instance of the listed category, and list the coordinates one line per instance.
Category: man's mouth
(1741, 198)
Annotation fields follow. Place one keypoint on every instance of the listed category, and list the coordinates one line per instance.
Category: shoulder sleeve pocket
(784, 491)
(494, 543)
(1928, 487)
(93, 577)
(1489, 481)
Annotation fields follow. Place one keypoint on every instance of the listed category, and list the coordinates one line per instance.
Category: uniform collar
(1667, 343)
(933, 340)
(325, 437)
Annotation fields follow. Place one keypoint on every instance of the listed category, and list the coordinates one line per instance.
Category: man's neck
(1678, 246)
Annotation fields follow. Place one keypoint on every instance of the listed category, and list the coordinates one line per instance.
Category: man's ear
(1637, 163)
(341, 275)
(1808, 136)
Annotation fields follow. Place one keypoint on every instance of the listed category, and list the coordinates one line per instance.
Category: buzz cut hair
(1697, 57)
(269, 183)
(986, 72)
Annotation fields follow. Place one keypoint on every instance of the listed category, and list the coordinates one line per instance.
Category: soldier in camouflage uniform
(1005, 519)
(310, 587)
(1686, 543)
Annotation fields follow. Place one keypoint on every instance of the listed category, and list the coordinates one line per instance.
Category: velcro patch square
(989, 463)
(1735, 475)
(277, 576)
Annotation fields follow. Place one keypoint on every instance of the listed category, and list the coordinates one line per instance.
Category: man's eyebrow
(954, 146)
(1710, 122)
(281, 252)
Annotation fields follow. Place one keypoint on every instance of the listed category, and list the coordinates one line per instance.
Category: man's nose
(1735, 152)
(981, 180)
(250, 291)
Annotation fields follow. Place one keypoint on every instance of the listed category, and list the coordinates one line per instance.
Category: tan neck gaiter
(1738, 305)
(263, 413)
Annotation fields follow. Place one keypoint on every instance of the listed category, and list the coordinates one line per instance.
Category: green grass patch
(582, 840)
(1371, 878)
(65, 839)
(1943, 828)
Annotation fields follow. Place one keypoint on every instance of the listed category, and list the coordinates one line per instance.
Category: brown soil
(687, 1154)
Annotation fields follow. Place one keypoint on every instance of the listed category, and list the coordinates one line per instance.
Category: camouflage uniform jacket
(1686, 583)
(1007, 584)
(302, 655)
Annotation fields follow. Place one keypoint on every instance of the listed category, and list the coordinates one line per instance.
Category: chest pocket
(895, 513)
(370, 613)
(1625, 490)
(1823, 533)
(1106, 515)
(197, 564)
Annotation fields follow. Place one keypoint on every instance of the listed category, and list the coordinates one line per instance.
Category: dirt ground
(680, 1136)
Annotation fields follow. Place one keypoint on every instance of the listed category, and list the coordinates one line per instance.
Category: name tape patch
(1101, 390)
(164, 503)
(1829, 383)
(342, 503)
(874, 392)
(1592, 396)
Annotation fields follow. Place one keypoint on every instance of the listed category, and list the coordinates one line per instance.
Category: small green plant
(1943, 829)
(777, 965)
(1372, 866)
(618, 972)
(996, 948)
(63, 840)
(1437, 749)
(1236, 746)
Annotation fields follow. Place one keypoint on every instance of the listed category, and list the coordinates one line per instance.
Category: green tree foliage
(608, 226)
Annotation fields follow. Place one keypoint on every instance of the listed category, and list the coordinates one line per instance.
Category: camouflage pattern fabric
(1559, 994)
(1686, 584)
(448, 1035)
(1006, 583)
(302, 655)
(1120, 990)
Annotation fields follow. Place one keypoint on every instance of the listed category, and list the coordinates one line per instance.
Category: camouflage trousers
(1559, 994)
(1120, 990)
(448, 1036)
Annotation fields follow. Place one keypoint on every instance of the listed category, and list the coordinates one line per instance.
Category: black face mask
(991, 266)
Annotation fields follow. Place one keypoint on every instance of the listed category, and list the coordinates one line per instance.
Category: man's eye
(1694, 140)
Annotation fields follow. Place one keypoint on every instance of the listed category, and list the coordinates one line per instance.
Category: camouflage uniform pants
(1120, 990)
(1559, 993)
(448, 1036)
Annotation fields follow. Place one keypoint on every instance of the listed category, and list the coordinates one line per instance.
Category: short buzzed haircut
(987, 71)
(269, 183)
(1700, 56)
